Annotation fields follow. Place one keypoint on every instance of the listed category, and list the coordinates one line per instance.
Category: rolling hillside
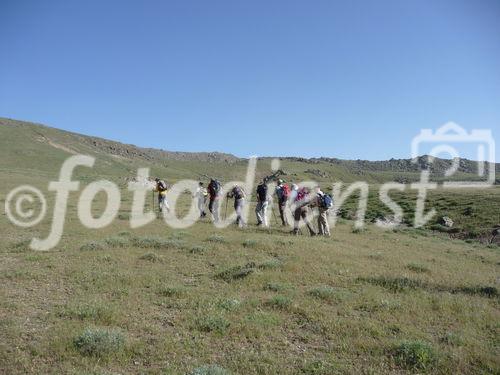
(155, 300)
(36, 152)
(21, 141)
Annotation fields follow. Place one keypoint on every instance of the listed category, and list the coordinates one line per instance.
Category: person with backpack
(201, 194)
(161, 188)
(214, 188)
(283, 194)
(302, 202)
(262, 204)
(239, 202)
(324, 202)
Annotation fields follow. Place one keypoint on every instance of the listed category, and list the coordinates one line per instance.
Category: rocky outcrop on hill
(437, 166)
(150, 154)
(317, 173)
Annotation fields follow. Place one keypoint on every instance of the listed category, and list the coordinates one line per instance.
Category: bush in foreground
(216, 238)
(229, 304)
(323, 292)
(415, 355)
(418, 268)
(237, 272)
(91, 246)
(171, 291)
(279, 302)
(212, 323)
(99, 342)
(271, 264)
(197, 249)
(210, 370)
(394, 284)
(151, 257)
(116, 241)
(274, 287)
(318, 367)
(157, 243)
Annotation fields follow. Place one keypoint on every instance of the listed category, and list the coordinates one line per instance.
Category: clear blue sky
(349, 79)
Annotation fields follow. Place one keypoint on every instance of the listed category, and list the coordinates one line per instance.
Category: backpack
(326, 201)
(283, 193)
(214, 187)
(301, 194)
(286, 191)
(262, 192)
(162, 186)
(237, 192)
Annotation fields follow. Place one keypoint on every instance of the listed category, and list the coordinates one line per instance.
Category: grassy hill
(204, 301)
(36, 152)
(22, 141)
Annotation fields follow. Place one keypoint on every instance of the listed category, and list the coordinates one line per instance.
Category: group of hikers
(300, 199)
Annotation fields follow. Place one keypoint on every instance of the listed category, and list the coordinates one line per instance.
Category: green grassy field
(204, 301)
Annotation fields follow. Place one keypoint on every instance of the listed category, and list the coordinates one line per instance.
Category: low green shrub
(394, 284)
(116, 242)
(318, 367)
(170, 291)
(212, 323)
(279, 302)
(197, 249)
(416, 267)
(216, 238)
(274, 287)
(99, 342)
(237, 272)
(229, 304)
(486, 291)
(323, 292)
(250, 243)
(210, 370)
(271, 264)
(151, 257)
(124, 216)
(157, 243)
(92, 246)
(415, 355)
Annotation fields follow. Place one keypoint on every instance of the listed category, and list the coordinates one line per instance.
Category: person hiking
(201, 194)
(214, 188)
(283, 194)
(302, 202)
(239, 202)
(262, 204)
(324, 202)
(161, 188)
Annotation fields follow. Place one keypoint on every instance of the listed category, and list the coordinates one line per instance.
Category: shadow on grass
(401, 284)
